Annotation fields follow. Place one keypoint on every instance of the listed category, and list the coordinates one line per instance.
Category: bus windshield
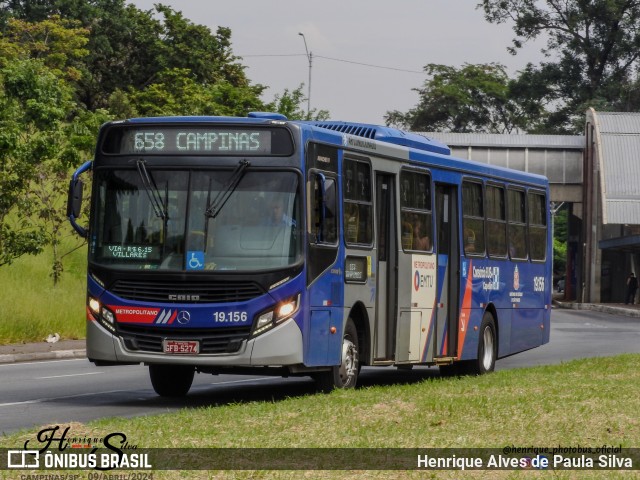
(163, 219)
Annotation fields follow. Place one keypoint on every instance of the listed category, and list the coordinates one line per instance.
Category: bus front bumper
(280, 346)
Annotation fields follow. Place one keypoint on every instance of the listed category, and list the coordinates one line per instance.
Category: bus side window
(324, 221)
(517, 224)
(351, 222)
(415, 211)
(358, 205)
(473, 218)
(537, 203)
(496, 221)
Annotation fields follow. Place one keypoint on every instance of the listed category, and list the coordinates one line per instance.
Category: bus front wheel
(171, 380)
(344, 375)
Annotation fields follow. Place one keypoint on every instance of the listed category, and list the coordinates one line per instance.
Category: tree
(593, 51)
(49, 188)
(50, 133)
(474, 98)
(59, 43)
(176, 92)
(34, 103)
(289, 104)
(131, 48)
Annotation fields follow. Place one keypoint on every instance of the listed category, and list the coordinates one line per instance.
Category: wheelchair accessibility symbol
(195, 260)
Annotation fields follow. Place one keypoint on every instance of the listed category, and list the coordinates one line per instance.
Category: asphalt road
(44, 393)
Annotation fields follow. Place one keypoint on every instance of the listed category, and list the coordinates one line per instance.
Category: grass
(32, 307)
(589, 402)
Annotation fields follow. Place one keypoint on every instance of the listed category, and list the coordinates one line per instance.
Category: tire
(487, 348)
(344, 375)
(171, 380)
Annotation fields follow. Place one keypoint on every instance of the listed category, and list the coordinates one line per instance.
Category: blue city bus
(265, 246)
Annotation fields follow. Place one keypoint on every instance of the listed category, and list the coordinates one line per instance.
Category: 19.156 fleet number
(229, 317)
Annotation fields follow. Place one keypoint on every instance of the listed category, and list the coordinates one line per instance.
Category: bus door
(387, 289)
(445, 333)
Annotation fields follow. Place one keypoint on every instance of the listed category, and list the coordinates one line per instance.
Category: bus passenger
(421, 240)
(469, 240)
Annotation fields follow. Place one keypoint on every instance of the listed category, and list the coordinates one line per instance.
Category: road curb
(39, 356)
(599, 307)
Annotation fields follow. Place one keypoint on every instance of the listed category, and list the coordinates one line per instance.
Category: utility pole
(310, 58)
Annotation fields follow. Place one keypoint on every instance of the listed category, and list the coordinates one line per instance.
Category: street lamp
(310, 58)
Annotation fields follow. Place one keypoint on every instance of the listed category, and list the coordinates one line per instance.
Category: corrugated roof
(507, 141)
(623, 212)
(619, 122)
(619, 158)
(621, 165)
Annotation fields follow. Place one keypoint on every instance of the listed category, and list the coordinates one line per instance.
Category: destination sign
(198, 140)
(355, 269)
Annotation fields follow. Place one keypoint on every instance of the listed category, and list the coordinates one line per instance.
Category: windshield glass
(196, 220)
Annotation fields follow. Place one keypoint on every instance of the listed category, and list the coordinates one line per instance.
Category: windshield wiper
(213, 208)
(151, 188)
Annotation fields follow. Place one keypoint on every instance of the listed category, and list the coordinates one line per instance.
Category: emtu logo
(422, 280)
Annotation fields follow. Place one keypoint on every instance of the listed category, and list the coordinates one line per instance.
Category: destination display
(355, 269)
(131, 252)
(198, 140)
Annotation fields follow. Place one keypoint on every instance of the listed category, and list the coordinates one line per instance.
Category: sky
(397, 37)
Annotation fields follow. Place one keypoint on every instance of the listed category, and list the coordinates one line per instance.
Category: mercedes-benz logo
(183, 317)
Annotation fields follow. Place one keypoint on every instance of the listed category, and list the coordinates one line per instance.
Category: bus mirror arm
(74, 200)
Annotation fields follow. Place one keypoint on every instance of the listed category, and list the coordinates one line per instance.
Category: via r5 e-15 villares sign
(221, 244)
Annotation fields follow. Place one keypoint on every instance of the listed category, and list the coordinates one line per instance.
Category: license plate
(181, 346)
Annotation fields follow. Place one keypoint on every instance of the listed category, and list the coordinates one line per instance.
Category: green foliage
(131, 49)
(591, 60)
(290, 105)
(59, 43)
(559, 256)
(33, 307)
(60, 62)
(560, 236)
(176, 92)
(193, 47)
(34, 103)
(537, 406)
(474, 98)
(592, 49)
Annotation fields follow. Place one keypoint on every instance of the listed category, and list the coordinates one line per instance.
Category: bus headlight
(94, 306)
(103, 315)
(280, 313)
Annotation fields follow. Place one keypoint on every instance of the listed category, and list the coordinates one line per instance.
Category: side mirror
(74, 201)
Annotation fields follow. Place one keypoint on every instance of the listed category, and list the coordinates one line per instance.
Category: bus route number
(229, 317)
(538, 284)
(149, 141)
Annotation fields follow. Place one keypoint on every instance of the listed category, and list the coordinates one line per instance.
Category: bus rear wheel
(487, 348)
(171, 380)
(344, 375)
